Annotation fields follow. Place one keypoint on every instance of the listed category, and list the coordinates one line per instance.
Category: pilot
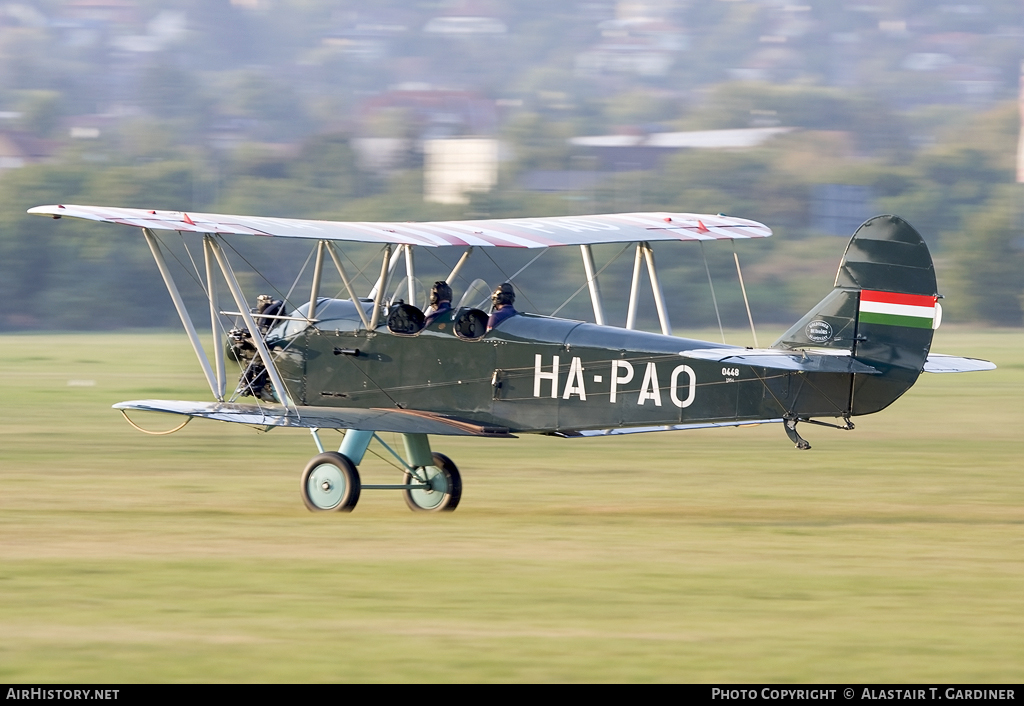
(440, 301)
(502, 300)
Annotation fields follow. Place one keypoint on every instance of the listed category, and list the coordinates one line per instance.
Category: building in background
(455, 167)
(632, 152)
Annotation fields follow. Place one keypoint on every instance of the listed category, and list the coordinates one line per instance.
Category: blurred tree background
(320, 109)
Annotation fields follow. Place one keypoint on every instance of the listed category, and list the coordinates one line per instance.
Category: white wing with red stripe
(501, 232)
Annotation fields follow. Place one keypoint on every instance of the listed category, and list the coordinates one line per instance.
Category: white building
(454, 167)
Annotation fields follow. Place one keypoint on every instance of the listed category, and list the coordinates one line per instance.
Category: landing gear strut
(791, 432)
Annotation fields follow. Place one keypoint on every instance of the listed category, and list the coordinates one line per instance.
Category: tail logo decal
(891, 309)
(819, 331)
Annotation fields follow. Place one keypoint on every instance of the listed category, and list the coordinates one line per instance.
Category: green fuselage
(541, 374)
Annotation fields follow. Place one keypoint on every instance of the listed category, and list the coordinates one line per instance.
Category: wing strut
(257, 339)
(644, 252)
(179, 305)
(634, 288)
(458, 265)
(215, 328)
(314, 291)
(595, 293)
(382, 283)
(410, 275)
(659, 295)
(348, 284)
(393, 259)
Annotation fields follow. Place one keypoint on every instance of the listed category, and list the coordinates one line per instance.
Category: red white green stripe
(889, 308)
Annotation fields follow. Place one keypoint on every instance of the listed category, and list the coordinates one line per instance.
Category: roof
(696, 139)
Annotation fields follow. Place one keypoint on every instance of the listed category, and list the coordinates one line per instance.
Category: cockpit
(465, 321)
(331, 315)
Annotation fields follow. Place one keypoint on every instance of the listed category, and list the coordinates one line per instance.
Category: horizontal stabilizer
(664, 427)
(402, 421)
(817, 360)
(540, 232)
(940, 363)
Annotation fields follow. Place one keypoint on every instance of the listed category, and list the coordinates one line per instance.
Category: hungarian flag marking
(913, 310)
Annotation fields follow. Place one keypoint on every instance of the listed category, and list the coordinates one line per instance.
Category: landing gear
(330, 483)
(445, 489)
(801, 443)
(431, 482)
(794, 436)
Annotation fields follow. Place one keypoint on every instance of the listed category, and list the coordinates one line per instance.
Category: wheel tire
(446, 489)
(330, 483)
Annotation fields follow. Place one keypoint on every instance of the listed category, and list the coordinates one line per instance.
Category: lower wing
(402, 421)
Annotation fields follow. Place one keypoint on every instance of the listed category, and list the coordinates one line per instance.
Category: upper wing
(500, 232)
(402, 421)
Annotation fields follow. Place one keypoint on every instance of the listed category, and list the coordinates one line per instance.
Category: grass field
(891, 553)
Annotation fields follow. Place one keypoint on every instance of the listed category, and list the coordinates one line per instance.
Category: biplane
(372, 364)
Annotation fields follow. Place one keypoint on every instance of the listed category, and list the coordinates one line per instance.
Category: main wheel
(330, 482)
(445, 489)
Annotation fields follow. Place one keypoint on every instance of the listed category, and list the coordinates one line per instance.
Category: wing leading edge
(502, 232)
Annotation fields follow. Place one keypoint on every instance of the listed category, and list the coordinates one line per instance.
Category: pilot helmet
(440, 292)
(504, 294)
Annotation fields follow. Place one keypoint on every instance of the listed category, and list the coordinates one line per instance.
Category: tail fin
(882, 310)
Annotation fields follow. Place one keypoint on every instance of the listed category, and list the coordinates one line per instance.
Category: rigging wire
(587, 283)
(743, 288)
(257, 271)
(360, 270)
(714, 299)
(806, 379)
(509, 279)
(374, 382)
(434, 255)
(194, 265)
(521, 269)
(305, 264)
(207, 288)
(178, 260)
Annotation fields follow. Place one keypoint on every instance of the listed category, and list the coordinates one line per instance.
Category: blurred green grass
(890, 553)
